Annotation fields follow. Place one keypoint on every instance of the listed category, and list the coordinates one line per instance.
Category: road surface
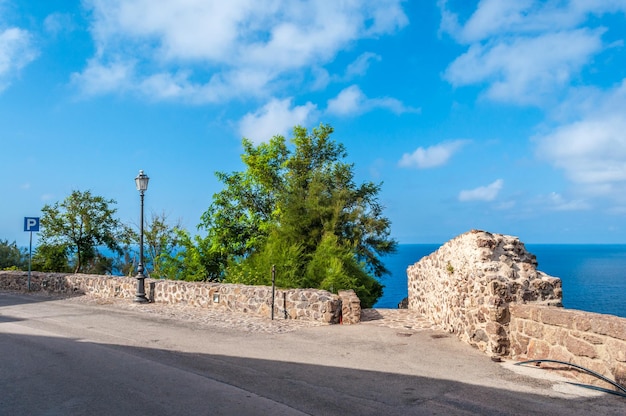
(69, 358)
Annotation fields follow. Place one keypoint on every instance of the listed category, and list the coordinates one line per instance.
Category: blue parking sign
(31, 223)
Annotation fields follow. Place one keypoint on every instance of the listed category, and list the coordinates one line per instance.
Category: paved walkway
(396, 319)
(401, 319)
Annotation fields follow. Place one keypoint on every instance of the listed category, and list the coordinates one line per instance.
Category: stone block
(538, 349)
(554, 335)
(520, 311)
(608, 325)
(590, 338)
(534, 329)
(519, 345)
(616, 349)
(557, 316)
(583, 322)
(580, 348)
(494, 329)
(561, 354)
(499, 314)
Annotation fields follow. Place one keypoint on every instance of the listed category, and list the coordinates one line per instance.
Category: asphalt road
(64, 358)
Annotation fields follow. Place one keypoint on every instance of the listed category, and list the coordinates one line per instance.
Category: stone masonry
(350, 307)
(590, 340)
(303, 304)
(467, 285)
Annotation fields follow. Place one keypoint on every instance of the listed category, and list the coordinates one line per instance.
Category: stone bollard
(350, 307)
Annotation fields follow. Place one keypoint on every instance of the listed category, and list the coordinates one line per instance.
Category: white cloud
(16, 51)
(98, 77)
(432, 156)
(360, 66)
(557, 202)
(352, 101)
(207, 50)
(348, 102)
(277, 117)
(591, 149)
(523, 17)
(321, 78)
(56, 23)
(482, 193)
(525, 70)
(525, 50)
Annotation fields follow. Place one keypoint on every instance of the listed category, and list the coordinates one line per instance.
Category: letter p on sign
(31, 223)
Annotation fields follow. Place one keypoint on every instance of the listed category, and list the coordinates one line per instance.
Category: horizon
(507, 117)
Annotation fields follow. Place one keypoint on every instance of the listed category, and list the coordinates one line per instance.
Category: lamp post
(141, 181)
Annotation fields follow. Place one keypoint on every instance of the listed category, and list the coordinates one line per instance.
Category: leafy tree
(11, 256)
(99, 264)
(301, 210)
(161, 241)
(243, 213)
(51, 258)
(80, 224)
(125, 259)
(187, 261)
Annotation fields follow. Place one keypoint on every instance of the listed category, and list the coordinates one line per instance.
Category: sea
(593, 275)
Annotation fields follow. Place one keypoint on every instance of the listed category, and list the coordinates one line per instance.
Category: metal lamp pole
(141, 181)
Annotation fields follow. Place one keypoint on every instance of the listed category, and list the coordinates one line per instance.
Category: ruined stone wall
(306, 304)
(590, 340)
(467, 285)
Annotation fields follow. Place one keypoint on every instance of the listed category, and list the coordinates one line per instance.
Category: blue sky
(497, 115)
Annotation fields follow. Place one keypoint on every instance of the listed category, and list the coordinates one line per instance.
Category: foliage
(99, 264)
(51, 258)
(242, 214)
(256, 269)
(187, 261)
(125, 258)
(160, 240)
(301, 210)
(78, 225)
(12, 257)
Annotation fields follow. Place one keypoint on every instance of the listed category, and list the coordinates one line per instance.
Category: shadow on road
(12, 298)
(50, 375)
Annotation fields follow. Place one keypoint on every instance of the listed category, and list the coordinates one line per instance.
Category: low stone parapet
(591, 340)
(305, 304)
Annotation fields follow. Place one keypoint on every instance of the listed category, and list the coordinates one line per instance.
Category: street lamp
(141, 181)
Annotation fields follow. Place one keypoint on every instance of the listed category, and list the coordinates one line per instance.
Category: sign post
(30, 224)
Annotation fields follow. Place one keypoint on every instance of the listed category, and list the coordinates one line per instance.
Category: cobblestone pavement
(402, 319)
(397, 319)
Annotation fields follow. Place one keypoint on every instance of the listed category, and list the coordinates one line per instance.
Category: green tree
(125, 259)
(80, 224)
(11, 256)
(161, 240)
(51, 258)
(300, 209)
(187, 261)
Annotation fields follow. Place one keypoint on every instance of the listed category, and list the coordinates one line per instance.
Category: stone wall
(350, 307)
(306, 304)
(467, 285)
(590, 340)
